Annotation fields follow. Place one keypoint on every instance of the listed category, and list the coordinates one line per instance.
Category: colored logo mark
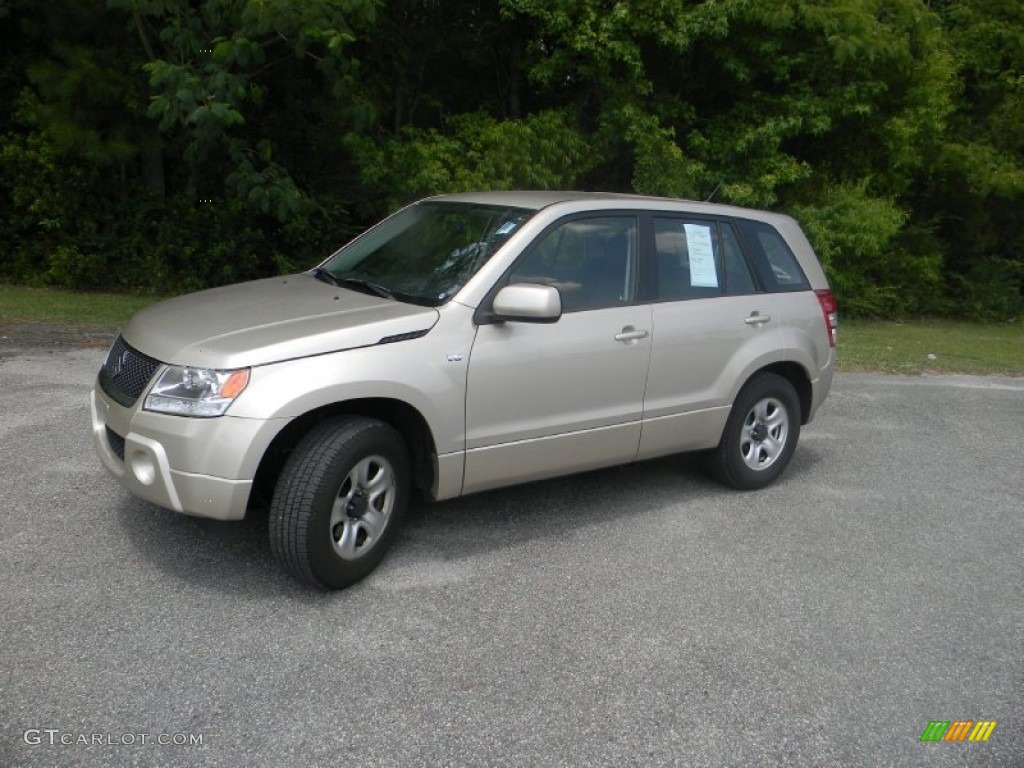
(958, 730)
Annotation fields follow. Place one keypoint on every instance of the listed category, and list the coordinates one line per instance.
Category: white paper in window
(702, 256)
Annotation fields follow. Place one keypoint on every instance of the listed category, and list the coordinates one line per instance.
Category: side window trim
(744, 254)
(647, 273)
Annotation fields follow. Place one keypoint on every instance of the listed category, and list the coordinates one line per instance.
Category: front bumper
(157, 457)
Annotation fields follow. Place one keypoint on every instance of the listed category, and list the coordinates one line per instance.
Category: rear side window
(774, 262)
(698, 259)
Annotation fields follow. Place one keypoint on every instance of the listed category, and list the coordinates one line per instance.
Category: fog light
(142, 468)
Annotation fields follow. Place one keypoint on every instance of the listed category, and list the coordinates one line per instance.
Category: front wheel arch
(402, 417)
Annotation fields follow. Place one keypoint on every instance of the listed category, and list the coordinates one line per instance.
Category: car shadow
(236, 556)
(207, 554)
(485, 521)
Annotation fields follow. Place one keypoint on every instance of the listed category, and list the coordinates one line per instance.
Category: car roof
(533, 199)
(539, 199)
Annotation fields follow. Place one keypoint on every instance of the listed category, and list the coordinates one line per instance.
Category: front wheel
(339, 500)
(760, 435)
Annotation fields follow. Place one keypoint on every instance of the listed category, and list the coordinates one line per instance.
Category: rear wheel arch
(760, 434)
(796, 375)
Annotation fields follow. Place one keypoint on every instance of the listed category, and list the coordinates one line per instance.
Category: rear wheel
(339, 500)
(761, 434)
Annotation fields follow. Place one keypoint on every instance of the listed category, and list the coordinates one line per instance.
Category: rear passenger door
(713, 322)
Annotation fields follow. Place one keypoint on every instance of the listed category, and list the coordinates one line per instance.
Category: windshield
(425, 253)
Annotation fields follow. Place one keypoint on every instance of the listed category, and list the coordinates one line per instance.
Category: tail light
(830, 310)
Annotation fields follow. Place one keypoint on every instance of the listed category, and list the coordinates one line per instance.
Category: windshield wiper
(324, 276)
(364, 285)
(359, 284)
(352, 282)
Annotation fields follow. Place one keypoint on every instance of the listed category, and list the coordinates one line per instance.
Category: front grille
(116, 443)
(126, 372)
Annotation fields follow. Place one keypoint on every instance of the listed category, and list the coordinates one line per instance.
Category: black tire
(761, 434)
(339, 501)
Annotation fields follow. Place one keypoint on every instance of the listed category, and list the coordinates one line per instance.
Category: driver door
(545, 399)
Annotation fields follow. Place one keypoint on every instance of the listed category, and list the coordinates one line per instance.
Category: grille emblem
(119, 363)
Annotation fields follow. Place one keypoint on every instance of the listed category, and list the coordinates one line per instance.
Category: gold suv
(468, 342)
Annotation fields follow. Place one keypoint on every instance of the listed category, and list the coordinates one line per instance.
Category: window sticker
(702, 256)
(505, 228)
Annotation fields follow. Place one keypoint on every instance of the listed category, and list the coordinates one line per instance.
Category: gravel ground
(637, 616)
(24, 336)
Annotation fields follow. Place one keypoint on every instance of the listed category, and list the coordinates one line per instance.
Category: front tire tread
(306, 490)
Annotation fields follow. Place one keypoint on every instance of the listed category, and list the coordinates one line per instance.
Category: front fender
(427, 373)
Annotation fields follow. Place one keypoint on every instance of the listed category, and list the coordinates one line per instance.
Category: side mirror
(528, 303)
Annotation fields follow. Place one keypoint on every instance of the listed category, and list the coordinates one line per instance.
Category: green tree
(170, 143)
(776, 103)
(973, 191)
(72, 125)
(214, 70)
(474, 152)
(167, 144)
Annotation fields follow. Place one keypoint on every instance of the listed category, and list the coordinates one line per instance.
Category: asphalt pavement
(637, 616)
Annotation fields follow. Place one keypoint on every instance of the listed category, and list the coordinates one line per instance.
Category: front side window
(427, 252)
(592, 262)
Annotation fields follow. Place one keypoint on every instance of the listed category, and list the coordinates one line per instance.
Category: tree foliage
(474, 151)
(168, 144)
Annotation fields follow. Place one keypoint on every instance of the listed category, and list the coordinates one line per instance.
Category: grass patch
(107, 311)
(864, 345)
(935, 346)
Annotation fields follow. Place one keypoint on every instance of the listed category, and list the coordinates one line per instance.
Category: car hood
(265, 321)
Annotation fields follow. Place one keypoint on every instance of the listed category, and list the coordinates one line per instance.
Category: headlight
(187, 391)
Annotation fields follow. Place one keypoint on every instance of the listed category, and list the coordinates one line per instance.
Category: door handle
(629, 333)
(756, 318)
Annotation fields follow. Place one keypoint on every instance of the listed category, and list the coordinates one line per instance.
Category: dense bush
(166, 145)
(59, 233)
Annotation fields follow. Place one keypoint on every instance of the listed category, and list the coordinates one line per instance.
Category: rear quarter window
(774, 262)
